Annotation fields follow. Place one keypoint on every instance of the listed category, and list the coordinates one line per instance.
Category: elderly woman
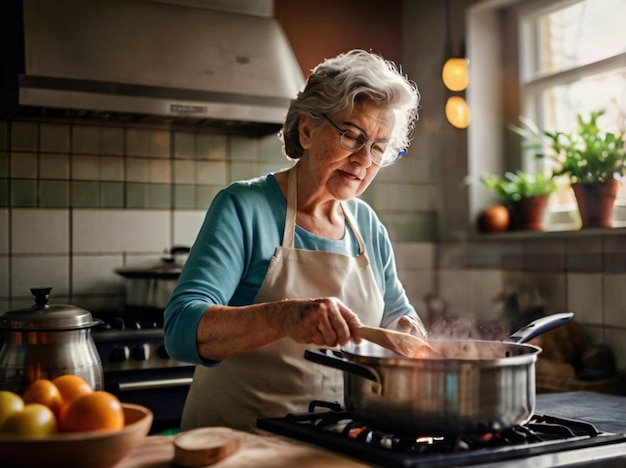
(294, 260)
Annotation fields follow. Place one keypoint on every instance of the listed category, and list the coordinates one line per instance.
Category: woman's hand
(409, 324)
(324, 321)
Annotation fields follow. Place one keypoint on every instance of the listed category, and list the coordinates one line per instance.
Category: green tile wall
(63, 164)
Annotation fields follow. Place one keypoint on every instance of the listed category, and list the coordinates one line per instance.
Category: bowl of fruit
(64, 422)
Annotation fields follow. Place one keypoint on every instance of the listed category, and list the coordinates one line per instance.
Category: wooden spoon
(401, 343)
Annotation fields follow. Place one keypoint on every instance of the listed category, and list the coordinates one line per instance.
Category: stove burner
(328, 425)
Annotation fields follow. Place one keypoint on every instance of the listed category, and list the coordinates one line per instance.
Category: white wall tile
(210, 146)
(95, 275)
(584, 294)
(616, 340)
(270, 150)
(184, 145)
(455, 288)
(137, 170)
(186, 226)
(85, 167)
(615, 300)
(111, 169)
(417, 285)
(160, 144)
(211, 172)
(86, 139)
(96, 231)
(160, 171)
(54, 166)
(4, 231)
(486, 285)
(266, 168)
(24, 165)
(40, 231)
(415, 255)
(243, 149)
(184, 171)
(39, 272)
(243, 171)
(4, 278)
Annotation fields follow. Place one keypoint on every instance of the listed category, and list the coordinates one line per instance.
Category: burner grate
(328, 425)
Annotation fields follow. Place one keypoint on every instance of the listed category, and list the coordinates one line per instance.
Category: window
(572, 60)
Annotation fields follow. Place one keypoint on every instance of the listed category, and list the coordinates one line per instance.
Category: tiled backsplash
(78, 200)
(581, 272)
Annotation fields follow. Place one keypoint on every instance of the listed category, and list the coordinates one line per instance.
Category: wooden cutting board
(256, 451)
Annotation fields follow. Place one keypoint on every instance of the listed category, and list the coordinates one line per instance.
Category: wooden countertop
(256, 451)
(267, 450)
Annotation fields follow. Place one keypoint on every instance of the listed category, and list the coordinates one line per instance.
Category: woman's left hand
(409, 324)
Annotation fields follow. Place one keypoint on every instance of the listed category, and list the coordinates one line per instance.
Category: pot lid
(168, 266)
(43, 316)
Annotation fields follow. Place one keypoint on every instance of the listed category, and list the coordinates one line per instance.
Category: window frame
(497, 21)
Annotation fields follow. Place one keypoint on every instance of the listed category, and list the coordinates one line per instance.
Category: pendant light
(457, 112)
(455, 76)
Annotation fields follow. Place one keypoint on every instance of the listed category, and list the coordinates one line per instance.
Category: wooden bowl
(94, 449)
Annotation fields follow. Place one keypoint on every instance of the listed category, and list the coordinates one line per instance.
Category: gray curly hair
(338, 83)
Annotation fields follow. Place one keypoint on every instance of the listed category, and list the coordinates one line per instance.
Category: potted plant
(524, 194)
(590, 158)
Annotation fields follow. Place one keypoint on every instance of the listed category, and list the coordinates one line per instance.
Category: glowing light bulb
(455, 74)
(457, 112)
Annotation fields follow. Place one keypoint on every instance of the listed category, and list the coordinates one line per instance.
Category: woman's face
(344, 174)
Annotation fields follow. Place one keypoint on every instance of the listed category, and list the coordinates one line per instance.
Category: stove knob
(148, 325)
(117, 323)
(141, 352)
(162, 352)
(119, 354)
(133, 325)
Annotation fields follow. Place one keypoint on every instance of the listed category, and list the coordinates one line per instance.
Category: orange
(71, 387)
(45, 392)
(495, 218)
(93, 411)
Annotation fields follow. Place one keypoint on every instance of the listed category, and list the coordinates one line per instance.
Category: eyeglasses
(353, 140)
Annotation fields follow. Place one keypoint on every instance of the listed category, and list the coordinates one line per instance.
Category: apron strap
(292, 201)
(290, 219)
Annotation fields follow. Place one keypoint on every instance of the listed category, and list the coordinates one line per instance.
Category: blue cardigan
(230, 257)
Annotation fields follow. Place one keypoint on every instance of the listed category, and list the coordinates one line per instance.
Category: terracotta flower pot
(528, 213)
(595, 203)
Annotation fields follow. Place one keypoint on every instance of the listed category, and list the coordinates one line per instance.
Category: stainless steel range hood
(184, 62)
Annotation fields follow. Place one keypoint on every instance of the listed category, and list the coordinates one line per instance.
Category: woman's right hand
(324, 321)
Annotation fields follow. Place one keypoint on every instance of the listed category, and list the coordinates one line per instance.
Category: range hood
(203, 62)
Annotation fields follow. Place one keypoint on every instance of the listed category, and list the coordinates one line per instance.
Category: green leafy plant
(587, 155)
(515, 186)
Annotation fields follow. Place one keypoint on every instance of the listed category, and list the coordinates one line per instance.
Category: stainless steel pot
(484, 385)
(148, 286)
(45, 341)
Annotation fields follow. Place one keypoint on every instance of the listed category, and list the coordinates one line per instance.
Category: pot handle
(179, 249)
(539, 326)
(336, 361)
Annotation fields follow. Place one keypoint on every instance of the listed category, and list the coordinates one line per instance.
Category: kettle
(45, 341)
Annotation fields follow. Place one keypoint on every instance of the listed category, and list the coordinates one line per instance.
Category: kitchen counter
(606, 412)
(262, 450)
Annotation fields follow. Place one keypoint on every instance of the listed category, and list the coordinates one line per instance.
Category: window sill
(548, 235)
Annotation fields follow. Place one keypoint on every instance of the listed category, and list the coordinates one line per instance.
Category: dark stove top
(328, 426)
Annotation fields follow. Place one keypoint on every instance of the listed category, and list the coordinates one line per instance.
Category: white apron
(276, 379)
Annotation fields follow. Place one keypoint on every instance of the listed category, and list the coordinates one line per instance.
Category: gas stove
(544, 441)
(137, 367)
